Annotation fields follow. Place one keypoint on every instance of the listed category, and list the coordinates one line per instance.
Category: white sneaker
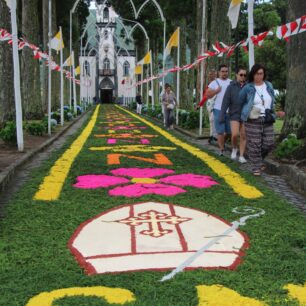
(234, 154)
(242, 160)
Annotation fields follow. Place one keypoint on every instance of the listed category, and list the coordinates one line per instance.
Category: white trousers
(139, 108)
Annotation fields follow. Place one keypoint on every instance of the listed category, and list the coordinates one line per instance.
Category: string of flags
(219, 48)
(38, 54)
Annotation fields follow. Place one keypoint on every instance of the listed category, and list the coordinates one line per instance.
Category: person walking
(218, 88)
(138, 103)
(231, 103)
(257, 99)
(169, 103)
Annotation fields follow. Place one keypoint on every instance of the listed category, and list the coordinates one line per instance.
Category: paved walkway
(22, 175)
(275, 182)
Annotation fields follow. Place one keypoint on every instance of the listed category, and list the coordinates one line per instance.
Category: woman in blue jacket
(257, 99)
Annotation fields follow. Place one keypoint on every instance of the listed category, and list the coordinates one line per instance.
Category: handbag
(255, 113)
(269, 116)
(170, 106)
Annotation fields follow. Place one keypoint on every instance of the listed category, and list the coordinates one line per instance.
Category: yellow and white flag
(138, 69)
(173, 42)
(233, 12)
(146, 60)
(68, 62)
(77, 70)
(57, 42)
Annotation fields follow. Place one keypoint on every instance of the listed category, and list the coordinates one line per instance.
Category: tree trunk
(7, 105)
(56, 78)
(295, 108)
(184, 98)
(219, 30)
(31, 94)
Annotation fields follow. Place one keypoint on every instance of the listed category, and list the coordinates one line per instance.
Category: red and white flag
(258, 40)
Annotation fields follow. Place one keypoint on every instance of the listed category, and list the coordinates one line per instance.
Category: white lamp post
(12, 5)
(251, 33)
(49, 71)
(202, 64)
(72, 12)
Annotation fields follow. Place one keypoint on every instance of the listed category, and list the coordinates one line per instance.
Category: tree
(7, 105)
(295, 121)
(30, 67)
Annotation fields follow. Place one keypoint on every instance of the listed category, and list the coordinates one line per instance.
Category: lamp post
(49, 72)
(72, 12)
(202, 64)
(251, 32)
(12, 6)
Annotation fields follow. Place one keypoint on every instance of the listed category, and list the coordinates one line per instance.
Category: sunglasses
(242, 75)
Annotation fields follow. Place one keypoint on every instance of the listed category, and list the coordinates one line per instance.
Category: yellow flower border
(232, 178)
(51, 187)
(111, 295)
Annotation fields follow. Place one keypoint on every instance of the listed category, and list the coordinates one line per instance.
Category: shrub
(35, 128)
(154, 112)
(67, 115)
(45, 123)
(288, 147)
(183, 117)
(79, 110)
(8, 133)
(132, 105)
(56, 116)
(280, 101)
(191, 120)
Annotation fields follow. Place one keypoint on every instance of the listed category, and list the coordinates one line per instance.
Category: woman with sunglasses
(258, 99)
(232, 105)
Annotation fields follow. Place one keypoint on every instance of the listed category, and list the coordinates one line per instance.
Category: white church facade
(107, 58)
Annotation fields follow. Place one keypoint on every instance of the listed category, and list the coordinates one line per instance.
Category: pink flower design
(139, 190)
(144, 181)
(92, 181)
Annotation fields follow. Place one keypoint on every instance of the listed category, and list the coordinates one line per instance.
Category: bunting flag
(4, 35)
(57, 42)
(233, 12)
(138, 69)
(146, 60)
(68, 62)
(220, 50)
(244, 45)
(77, 70)
(37, 54)
(291, 28)
(173, 42)
(282, 32)
(258, 40)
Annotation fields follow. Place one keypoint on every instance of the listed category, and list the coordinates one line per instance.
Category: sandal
(257, 173)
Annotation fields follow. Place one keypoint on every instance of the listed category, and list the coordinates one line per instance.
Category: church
(107, 57)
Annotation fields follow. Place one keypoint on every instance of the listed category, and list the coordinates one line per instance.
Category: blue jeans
(224, 127)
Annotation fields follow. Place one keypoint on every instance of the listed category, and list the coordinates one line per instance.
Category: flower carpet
(128, 213)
